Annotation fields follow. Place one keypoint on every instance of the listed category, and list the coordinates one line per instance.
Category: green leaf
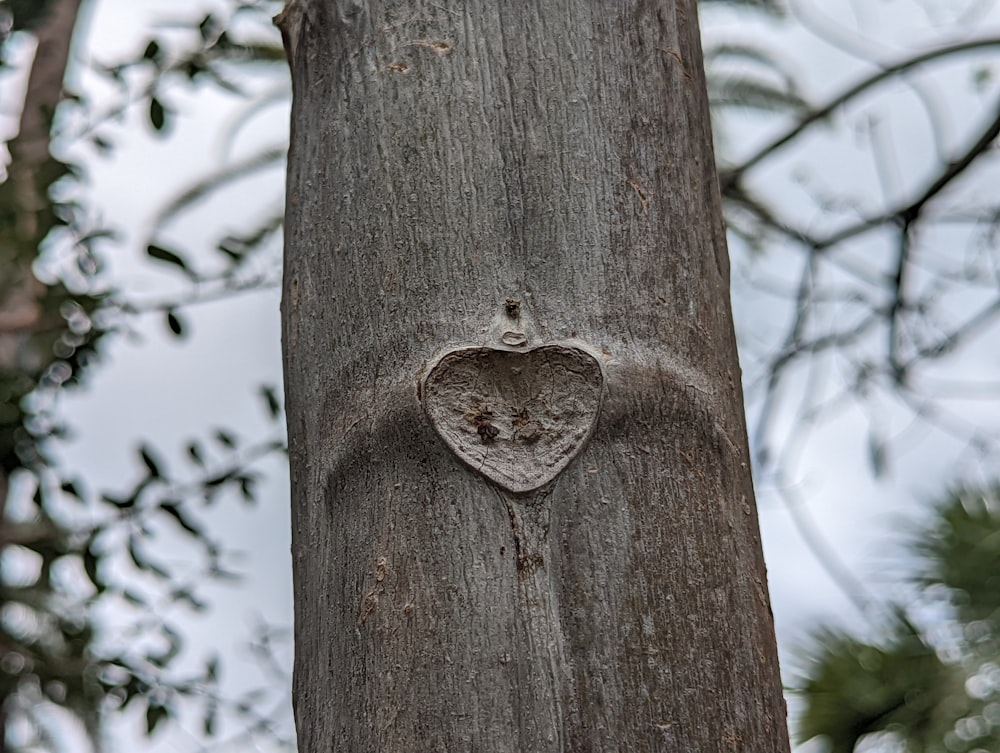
(252, 697)
(212, 670)
(134, 598)
(172, 509)
(192, 68)
(152, 51)
(155, 714)
(207, 26)
(233, 256)
(982, 77)
(168, 257)
(247, 484)
(121, 504)
(877, 456)
(225, 438)
(853, 688)
(142, 562)
(219, 479)
(101, 144)
(175, 642)
(208, 723)
(90, 563)
(186, 595)
(174, 323)
(232, 248)
(271, 401)
(71, 488)
(150, 461)
(194, 452)
(960, 549)
(157, 114)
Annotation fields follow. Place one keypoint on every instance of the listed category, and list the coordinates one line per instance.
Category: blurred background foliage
(927, 679)
(925, 675)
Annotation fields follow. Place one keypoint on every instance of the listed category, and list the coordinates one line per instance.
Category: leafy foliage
(927, 696)
(70, 552)
(51, 634)
(900, 686)
(960, 551)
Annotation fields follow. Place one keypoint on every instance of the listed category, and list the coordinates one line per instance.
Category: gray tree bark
(523, 517)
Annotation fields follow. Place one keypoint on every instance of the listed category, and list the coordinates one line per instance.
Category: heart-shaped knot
(518, 418)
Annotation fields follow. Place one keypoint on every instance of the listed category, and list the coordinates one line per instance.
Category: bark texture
(447, 157)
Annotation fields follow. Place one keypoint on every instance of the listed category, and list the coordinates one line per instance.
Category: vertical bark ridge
(446, 156)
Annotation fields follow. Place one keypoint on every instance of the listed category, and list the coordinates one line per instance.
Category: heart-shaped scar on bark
(517, 417)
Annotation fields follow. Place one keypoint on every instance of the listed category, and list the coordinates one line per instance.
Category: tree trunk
(523, 517)
(24, 197)
(19, 293)
(21, 312)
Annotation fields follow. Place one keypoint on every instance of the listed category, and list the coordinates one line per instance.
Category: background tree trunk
(23, 200)
(21, 312)
(444, 158)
